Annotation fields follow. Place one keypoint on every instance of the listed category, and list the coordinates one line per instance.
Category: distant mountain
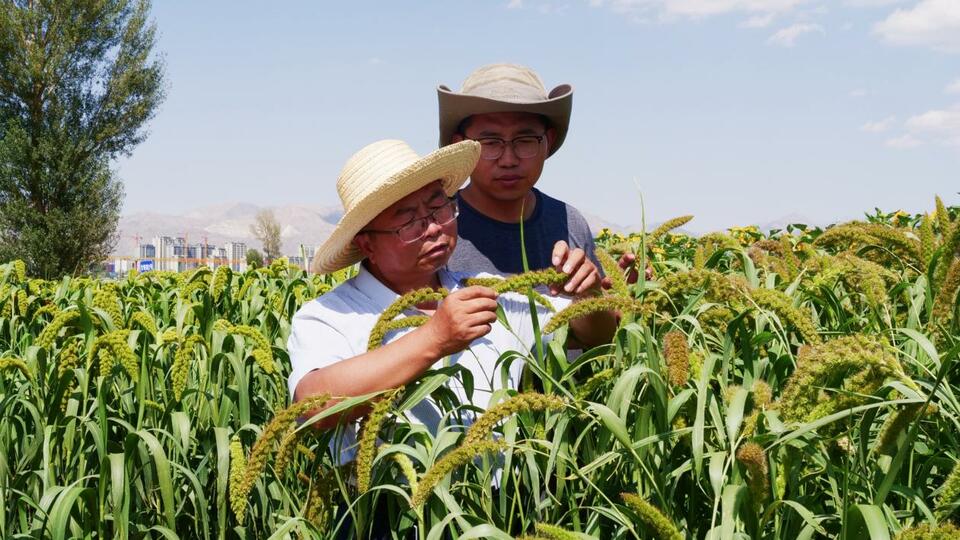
(218, 224)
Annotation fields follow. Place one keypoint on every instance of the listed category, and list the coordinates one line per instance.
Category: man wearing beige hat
(400, 223)
(506, 108)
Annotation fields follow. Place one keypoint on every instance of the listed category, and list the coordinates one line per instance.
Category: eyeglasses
(524, 146)
(414, 229)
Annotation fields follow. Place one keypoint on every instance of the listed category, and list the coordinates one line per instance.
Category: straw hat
(379, 175)
(504, 88)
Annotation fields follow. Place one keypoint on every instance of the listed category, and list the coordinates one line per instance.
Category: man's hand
(584, 277)
(626, 262)
(463, 316)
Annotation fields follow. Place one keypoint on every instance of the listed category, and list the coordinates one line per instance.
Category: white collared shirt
(336, 326)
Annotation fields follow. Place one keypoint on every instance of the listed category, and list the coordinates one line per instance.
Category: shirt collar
(382, 296)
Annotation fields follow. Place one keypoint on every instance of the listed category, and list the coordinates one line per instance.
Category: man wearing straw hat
(400, 223)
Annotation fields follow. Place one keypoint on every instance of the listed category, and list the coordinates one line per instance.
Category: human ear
(551, 134)
(362, 242)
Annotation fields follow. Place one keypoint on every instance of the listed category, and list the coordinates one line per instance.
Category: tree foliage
(78, 84)
(254, 259)
(266, 228)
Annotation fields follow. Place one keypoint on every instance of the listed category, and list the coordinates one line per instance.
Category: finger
(606, 283)
(478, 305)
(479, 319)
(627, 260)
(589, 283)
(575, 258)
(573, 284)
(476, 291)
(560, 250)
(480, 331)
(632, 276)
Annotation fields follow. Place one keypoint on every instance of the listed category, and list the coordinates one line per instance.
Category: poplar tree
(78, 84)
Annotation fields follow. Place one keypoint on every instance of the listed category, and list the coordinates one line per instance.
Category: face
(398, 262)
(507, 178)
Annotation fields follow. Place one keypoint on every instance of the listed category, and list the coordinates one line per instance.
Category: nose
(433, 229)
(508, 158)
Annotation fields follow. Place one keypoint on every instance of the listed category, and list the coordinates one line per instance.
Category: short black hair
(464, 124)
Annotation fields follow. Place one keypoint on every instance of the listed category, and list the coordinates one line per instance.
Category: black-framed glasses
(414, 229)
(524, 146)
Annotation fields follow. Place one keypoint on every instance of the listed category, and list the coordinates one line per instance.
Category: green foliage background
(794, 385)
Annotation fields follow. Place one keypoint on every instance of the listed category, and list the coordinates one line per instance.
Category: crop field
(792, 385)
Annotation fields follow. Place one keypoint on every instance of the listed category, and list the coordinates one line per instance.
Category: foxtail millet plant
(651, 517)
(947, 502)
(587, 306)
(781, 305)
(667, 226)
(482, 429)
(380, 331)
(618, 282)
(367, 441)
(754, 461)
(262, 448)
(677, 356)
(855, 365)
(448, 463)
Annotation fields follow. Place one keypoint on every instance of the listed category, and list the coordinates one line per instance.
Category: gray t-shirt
(488, 245)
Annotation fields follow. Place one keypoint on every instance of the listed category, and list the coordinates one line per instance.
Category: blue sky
(736, 111)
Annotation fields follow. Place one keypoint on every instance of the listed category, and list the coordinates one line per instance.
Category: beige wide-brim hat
(504, 88)
(379, 175)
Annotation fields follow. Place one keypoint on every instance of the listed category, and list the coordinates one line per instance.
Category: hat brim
(451, 165)
(456, 107)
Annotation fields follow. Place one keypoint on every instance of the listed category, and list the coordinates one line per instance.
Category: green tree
(78, 84)
(266, 228)
(254, 259)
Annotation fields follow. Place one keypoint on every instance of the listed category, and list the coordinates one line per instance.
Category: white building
(236, 255)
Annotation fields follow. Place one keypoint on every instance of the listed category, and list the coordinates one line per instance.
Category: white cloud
(375, 61)
(673, 9)
(936, 122)
(787, 37)
(954, 87)
(857, 93)
(930, 23)
(758, 21)
(872, 3)
(936, 126)
(515, 4)
(879, 126)
(905, 141)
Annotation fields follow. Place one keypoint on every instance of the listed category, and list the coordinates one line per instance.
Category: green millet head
(407, 469)
(928, 239)
(553, 532)
(677, 356)
(600, 378)
(668, 226)
(591, 305)
(943, 531)
(855, 365)
(380, 331)
(897, 423)
(613, 271)
(448, 463)
(271, 434)
(652, 518)
(482, 429)
(49, 333)
(947, 502)
(782, 306)
(238, 465)
(367, 447)
(754, 461)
